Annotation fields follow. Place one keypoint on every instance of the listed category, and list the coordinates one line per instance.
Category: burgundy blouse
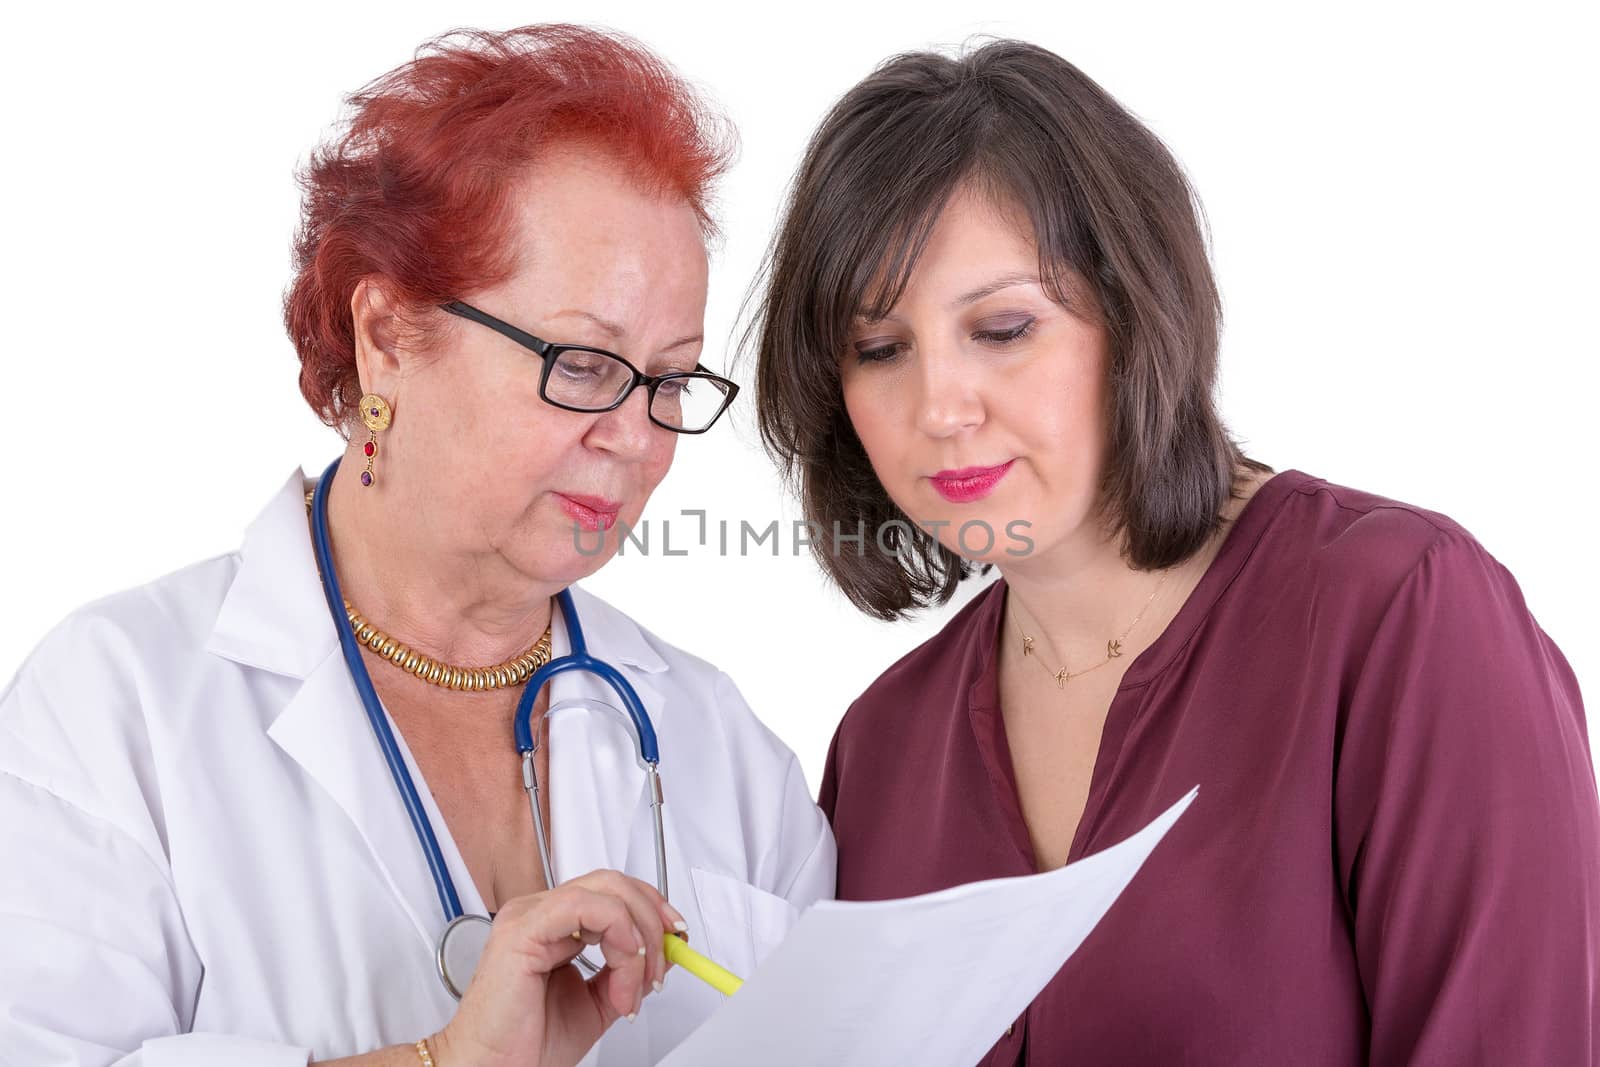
(1395, 854)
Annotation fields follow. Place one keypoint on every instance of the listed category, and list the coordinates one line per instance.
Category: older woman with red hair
(253, 796)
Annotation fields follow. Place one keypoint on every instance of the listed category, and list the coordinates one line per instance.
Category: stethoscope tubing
(449, 902)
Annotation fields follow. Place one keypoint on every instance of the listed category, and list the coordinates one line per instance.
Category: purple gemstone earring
(377, 416)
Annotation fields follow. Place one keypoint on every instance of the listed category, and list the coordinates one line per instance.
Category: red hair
(415, 190)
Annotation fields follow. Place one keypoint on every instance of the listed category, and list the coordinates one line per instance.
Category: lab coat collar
(275, 618)
(275, 615)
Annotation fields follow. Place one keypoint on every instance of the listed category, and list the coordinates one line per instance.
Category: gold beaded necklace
(1113, 646)
(513, 671)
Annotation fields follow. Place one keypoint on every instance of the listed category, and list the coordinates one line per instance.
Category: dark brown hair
(1110, 209)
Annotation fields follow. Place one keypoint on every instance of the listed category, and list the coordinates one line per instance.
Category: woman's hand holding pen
(526, 1007)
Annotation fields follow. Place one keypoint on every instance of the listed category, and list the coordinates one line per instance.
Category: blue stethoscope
(464, 935)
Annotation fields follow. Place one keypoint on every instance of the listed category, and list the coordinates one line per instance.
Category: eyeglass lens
(593, 381)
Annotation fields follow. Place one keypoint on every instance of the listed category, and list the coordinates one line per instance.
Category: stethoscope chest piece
(460, 947)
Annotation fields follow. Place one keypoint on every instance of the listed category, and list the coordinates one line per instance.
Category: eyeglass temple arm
(505, 329)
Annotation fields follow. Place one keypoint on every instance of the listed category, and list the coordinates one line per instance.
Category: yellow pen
(717, 977)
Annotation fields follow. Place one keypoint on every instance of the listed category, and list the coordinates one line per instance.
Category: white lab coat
(204, 860)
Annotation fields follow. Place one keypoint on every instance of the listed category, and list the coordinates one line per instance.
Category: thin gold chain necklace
(1113, 646)
(513, 671)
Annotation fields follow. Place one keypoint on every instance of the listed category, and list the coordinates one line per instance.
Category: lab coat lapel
(275, 618)
(598, 782)
(324, 729)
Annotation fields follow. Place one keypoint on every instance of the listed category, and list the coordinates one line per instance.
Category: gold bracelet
(422, 1051)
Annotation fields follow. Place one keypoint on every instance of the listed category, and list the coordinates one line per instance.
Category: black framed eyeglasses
(580, 378)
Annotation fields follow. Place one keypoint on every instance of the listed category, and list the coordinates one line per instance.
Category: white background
(1402, 201)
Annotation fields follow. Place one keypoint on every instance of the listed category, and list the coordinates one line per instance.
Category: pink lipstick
(969, 483)
(590, 512)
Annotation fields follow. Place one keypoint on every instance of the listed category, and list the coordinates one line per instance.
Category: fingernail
(680, 926)
(641, 950)
(632, 1015)
(656, 985)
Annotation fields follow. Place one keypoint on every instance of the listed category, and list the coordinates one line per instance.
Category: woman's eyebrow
(1005, 281)
(610, 328)
(617, 332)
(863, 319)
(692, 339)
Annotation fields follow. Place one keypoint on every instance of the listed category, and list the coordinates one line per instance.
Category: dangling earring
(376, 414)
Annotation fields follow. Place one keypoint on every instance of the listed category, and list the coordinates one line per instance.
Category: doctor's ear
(385, 341)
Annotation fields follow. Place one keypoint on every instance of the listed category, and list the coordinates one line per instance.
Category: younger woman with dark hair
(988, 311)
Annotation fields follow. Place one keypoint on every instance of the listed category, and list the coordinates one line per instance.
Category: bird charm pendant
(1113, 646)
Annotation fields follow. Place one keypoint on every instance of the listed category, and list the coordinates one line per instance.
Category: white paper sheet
(929, 980)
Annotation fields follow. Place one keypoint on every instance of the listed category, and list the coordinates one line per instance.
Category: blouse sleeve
(1467, 828)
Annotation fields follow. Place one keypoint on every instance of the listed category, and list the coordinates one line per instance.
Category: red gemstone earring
(377, 416)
